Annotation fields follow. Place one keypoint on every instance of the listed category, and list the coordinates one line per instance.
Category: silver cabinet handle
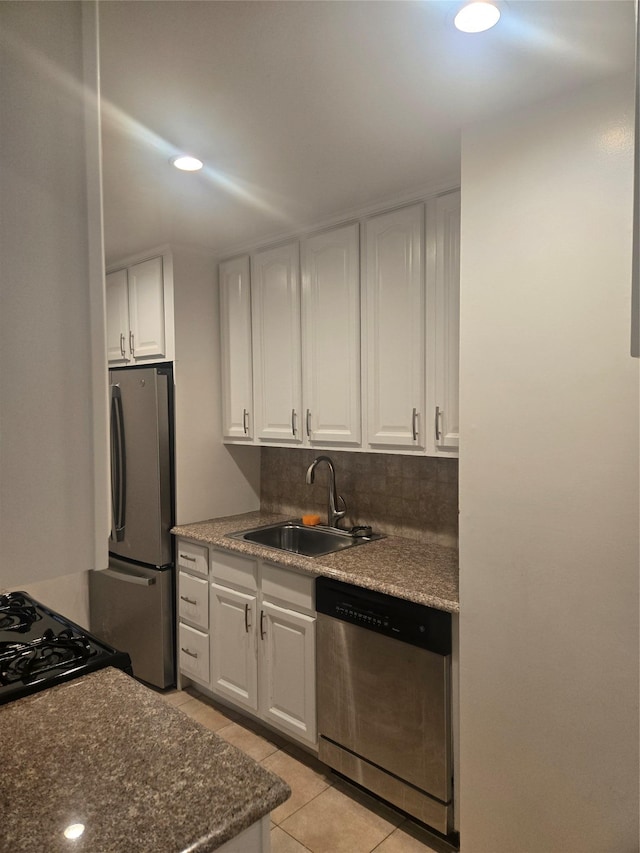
(438, 432)
(262, 624)
(245, 421)
(187, 557)
(414, 424)
(132, 344)
(188, 600)
(308, 419)
(190, 653)
(247, 624)
(293, 421)
(122, 352)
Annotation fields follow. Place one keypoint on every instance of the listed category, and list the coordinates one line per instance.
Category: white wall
(53, 386)
(549, 482)
(67, 594)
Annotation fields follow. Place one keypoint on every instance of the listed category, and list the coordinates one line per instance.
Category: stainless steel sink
(309, 541)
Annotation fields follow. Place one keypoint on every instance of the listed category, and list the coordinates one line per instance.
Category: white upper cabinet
(394, 311)
(330, 343)
(235, 339)
(275, 307)
(137, 314)
(444, 322)
(117, 301)
(146, 310)
(331, 336)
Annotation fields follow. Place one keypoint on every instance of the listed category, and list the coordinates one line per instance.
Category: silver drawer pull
(122, 353)
(132, 345)
(187, 557)
(191, 654)
(245, 421)
(438, 432)
(188, 600)
(293, 422)
(308, 423)
(414, 424)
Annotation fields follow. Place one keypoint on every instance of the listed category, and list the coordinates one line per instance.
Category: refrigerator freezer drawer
(132, 609)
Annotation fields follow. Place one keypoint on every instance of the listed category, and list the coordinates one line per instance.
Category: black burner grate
(17, 613)
(23, 662)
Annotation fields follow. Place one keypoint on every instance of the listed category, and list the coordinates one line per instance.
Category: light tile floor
(324, 814)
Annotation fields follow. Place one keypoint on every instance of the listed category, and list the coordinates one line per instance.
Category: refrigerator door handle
(118, 467)
(137, 579)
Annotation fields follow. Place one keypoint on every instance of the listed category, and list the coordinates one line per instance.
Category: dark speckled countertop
(427, 574)
(106, 752)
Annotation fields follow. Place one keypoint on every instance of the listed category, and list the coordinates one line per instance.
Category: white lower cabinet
(193, 653)
(193, 602)
(247, 632)
(234, 666)
(262, 634)
(193, 610)
(287, 670)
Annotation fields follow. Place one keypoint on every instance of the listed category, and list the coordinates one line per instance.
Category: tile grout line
(285, 750)
(315, 797)
(277, 826)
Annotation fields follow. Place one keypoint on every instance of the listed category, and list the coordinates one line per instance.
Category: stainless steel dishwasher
(384, 697)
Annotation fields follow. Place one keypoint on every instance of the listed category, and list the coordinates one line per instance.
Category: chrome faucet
(334, 514)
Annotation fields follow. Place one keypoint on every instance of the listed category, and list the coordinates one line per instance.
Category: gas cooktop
(40, 648)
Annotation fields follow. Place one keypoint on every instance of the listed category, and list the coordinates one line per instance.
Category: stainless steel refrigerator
(131, 603)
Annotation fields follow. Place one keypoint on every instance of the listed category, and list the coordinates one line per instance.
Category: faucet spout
(333, 514)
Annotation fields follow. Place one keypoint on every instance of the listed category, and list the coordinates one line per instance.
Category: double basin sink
(309, 541)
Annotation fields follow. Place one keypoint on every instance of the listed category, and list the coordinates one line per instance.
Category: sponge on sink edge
(311, 520)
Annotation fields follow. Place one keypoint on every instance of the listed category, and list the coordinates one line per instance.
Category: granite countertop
(107, 752)
(424, 573)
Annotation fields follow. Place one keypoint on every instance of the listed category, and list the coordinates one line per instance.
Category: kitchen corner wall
(411, 496)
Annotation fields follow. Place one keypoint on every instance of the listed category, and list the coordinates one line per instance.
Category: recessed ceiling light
(186, 163)
(477, 17)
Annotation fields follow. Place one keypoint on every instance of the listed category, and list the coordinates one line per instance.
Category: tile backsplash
(411, 496)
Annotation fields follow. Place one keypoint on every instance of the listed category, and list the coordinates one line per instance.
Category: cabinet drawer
(193, 600)
(234, 570)
(193, 558)
(193, 651)
(291, 589)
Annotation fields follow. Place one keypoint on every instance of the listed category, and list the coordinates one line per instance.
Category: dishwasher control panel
(404, 620)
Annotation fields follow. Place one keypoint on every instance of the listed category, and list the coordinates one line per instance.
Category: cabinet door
(331, 336)
(146, 310)
(275, 303)
(234, 669)
(117, 301)
(446, 332)
(394, 310)
(287, 671)
(235, 339)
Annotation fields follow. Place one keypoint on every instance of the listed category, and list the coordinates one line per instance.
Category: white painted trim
(96, 280)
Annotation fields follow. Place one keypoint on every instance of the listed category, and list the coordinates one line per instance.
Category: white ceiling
(306, 110)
